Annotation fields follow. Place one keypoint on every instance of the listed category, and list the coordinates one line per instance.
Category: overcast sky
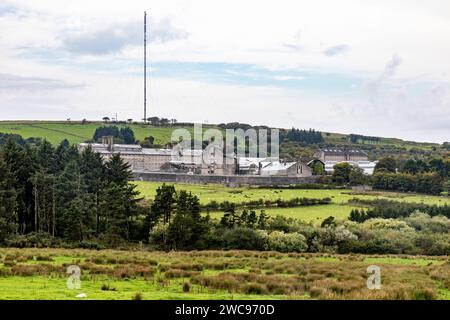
(371, 67)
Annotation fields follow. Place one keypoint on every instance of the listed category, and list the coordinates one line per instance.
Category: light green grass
(338, 138)
(55, 288)
(403, 261)
(339, 208)
(210, 192)
(55, 132)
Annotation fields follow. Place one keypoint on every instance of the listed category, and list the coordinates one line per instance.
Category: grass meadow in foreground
(110, 274)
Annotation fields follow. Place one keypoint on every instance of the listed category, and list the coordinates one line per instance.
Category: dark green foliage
(446, 145)
(118, 201)
(121, 135)
(394, 209)
(358, 215)
(318, 169)
(226, 206)
(61, 193)
(163, 204)
(386, 164)
(341, 173)
(188, 227)
(430, 183)
(9, 137)
(94, 176)
(357, 138)
(19, 159)
(179, 213)
(243, 238)
(328, 222)
(149, 142)
(247, 219)
(436, 165)
(8, 217)
(75, 204)
(357, 177)
(306, 136)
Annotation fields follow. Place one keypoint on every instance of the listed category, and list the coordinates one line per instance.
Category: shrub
(107, 287)
(43, 258)
(178, 273)
(244, 238)
(137, 296)
(382, 224)
(254, 288)
(287, 242)
(36, 269)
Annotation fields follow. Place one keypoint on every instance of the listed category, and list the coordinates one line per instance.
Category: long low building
(210, 161)
(334, 154)
(137, 157)
(367, 166)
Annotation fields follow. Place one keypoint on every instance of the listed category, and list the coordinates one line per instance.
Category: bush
(379, 223)
(32, 240)
(423, 222)
(254, 288)
(244, 239)
(430, 183)
(137, 296)
(107, 287)
(287, 242)
(158, 233)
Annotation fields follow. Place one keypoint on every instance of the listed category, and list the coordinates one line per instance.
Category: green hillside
(75, 132)
(55, 132)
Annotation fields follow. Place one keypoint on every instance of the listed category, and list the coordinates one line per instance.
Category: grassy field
(338, 138)
(108, 274)
(339, 208)
(55, 132)
(75, 132)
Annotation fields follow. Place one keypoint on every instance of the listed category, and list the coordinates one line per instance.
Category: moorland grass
(114, 274)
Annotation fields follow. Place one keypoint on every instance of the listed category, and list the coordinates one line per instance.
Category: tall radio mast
(145, 66)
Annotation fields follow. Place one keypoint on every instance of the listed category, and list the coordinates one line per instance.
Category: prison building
(139, 159)
(340, 155)
(271, 166)
(368, 167)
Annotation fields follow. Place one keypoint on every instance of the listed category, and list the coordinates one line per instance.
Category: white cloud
(287, 34)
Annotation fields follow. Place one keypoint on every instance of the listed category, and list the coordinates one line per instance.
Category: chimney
(109, 141)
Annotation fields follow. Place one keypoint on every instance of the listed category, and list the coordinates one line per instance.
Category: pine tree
(74, 205)
(8, 217)
(94, 176)
(65, 153)
(20, 161)
(44, 202)
(118, 200)
(188, 227)
(163, 204)
(43, 181)
(46, 158)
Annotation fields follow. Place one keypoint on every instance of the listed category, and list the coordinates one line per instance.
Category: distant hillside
(75, 132)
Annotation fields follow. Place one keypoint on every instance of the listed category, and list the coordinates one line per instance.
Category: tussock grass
(236, 273)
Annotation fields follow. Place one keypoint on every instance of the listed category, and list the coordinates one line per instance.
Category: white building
(367, 166)
(272, 166)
